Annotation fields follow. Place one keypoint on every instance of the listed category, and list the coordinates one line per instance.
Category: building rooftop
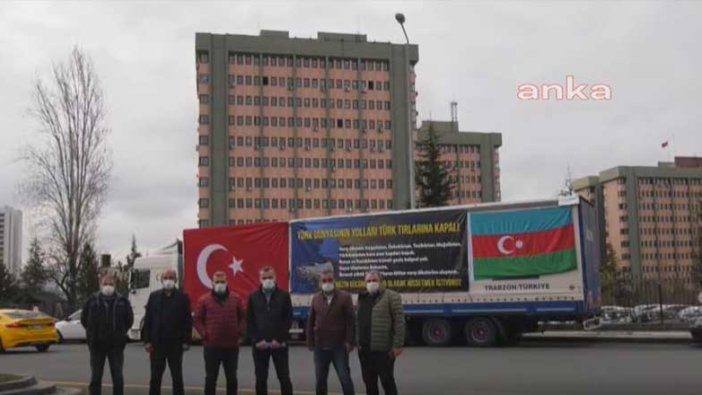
(450, 133)
(325, 44)
(682, 166)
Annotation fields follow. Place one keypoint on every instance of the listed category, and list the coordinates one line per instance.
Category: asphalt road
(534, 367)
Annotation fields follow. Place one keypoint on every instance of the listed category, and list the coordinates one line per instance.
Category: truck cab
(145, 278)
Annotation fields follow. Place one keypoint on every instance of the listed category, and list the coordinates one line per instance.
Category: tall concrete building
(11, 239)
(298, 127)
(471, 157)
(650, 216)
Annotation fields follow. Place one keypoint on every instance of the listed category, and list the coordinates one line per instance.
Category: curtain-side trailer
(487, 272)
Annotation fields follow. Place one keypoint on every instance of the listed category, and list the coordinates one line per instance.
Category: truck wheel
(480, 332)
(436, 332)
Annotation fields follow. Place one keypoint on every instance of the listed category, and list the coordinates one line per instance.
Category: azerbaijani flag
(520, 244)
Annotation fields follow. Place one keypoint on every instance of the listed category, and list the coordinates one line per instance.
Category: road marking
(244, 391)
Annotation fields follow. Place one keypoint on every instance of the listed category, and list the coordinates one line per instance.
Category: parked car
(26, 328)
(71, 329)
(690, 314)
(639, 313)
(696, 330)
(670, 312)
(616, 315)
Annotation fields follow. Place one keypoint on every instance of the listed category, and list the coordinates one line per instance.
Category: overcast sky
(476, 53)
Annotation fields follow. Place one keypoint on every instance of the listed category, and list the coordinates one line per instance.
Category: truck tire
(480, 332)
(436, 332)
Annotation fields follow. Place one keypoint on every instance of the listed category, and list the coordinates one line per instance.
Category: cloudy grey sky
(476, 53)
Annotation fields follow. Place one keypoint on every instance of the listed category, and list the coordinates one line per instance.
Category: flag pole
(672, 150)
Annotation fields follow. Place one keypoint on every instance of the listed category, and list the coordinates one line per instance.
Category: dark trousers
(115, 356)
(340, 358)
(282, 369)
(228, 357)
(173, 355)
(378, 365)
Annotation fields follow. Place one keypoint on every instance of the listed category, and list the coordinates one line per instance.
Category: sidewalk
(610, 335)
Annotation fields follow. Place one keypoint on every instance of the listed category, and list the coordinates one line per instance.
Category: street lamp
(400, 18)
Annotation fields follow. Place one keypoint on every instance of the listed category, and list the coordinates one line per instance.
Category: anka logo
(568, 91)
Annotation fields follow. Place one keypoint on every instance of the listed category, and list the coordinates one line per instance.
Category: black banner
(416, 252)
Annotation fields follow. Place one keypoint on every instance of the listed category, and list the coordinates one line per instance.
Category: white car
(71, 329)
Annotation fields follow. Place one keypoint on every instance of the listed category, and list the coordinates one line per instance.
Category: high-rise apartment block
(11, 239)
(650, 216)
(301, 127)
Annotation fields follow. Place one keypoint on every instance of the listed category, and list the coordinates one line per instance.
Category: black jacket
(269, 321)
(182, 322)
(107, 327)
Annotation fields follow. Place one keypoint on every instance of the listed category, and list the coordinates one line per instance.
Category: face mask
(108, 290)
(372, 287)
(168, 284)
(327, 287)
(268, 284)
(220, 288)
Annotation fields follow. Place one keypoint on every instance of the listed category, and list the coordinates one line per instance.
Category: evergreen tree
(87, 272)
(35, 274)
(697, 245)
(608, 275)
(8, 286)
(434, 182)
(133, 254)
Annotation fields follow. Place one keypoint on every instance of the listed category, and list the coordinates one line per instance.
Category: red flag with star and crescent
(239, 251)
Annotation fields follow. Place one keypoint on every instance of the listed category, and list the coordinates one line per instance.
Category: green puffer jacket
(387, 321)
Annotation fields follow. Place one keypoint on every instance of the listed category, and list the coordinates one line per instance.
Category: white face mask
(168, 284)
(372, 287)
(327, 287)
(220, 288)
(268, 284)
(108, 290)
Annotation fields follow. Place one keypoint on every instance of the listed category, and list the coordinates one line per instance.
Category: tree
(697, 245)
(133, 254)
(567, 189)
(608, 274)
(434, 182)
(88, 272)
(69, 166)
(8, 286)
(35, 275)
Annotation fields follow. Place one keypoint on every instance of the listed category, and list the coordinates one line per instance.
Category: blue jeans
(340, 358)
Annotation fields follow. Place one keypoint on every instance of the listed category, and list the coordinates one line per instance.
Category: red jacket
(219, 321)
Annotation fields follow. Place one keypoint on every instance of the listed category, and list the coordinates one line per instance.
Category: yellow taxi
(22, 328)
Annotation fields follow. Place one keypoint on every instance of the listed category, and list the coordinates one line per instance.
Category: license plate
(35, 327)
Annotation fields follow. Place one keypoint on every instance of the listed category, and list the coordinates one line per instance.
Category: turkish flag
(239, 251)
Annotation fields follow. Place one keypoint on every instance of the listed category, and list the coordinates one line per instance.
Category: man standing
(330, 334)
(269, 317)
(167, 332)
(381, 334)
(219, 318)
(106, 317)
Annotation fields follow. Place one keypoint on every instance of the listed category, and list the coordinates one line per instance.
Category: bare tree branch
(69, 166)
